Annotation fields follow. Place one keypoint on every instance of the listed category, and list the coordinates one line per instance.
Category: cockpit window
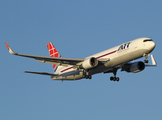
(147, 40)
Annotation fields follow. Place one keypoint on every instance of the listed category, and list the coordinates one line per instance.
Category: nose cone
(152, 46)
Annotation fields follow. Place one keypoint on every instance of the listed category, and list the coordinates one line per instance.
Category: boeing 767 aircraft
(108, 61)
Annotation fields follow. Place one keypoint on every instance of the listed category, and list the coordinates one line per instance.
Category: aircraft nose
(152, 46)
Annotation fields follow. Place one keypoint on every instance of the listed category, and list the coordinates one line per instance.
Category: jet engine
(134, 67)
(90, 63)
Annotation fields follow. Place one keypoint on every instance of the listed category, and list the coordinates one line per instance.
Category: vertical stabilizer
(53, 53)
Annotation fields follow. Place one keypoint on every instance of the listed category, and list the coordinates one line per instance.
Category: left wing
(76, 62)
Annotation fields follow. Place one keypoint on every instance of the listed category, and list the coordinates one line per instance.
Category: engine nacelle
(90, 63)
(137, 67)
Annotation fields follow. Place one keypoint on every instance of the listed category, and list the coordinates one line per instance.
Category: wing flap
(59, 64)
(53, 62)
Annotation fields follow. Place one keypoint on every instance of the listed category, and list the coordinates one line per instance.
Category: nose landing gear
(145, 61)
(146, 56)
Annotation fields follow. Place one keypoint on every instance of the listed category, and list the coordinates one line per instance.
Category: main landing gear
(146, 56)
(88, 77)
(114, 78)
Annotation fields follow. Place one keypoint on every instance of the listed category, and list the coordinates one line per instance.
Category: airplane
(108, 61)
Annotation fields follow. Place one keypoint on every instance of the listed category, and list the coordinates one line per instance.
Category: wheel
(111, 78)
(90, 77)
(145, 61)
(86, 76)
(114, 78)
(117, 79)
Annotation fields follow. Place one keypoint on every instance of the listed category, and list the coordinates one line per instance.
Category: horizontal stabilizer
(41, 73)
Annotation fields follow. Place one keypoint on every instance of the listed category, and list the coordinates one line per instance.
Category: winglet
(9, 49)
(153, 61)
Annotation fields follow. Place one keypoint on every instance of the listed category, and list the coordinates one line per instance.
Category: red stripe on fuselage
(67, 69)
(96, 58)
(106, 54)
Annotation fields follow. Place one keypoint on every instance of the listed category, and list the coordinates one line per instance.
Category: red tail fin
(53, 52)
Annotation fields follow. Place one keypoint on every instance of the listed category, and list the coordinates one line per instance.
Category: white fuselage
(115, 56)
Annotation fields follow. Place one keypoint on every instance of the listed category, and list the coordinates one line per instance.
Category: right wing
(76, 62)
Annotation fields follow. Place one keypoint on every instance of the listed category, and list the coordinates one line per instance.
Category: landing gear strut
(146, 56)
(87, 76)
(114, 78)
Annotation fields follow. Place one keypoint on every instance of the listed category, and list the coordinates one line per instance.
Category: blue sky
(77, 29)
